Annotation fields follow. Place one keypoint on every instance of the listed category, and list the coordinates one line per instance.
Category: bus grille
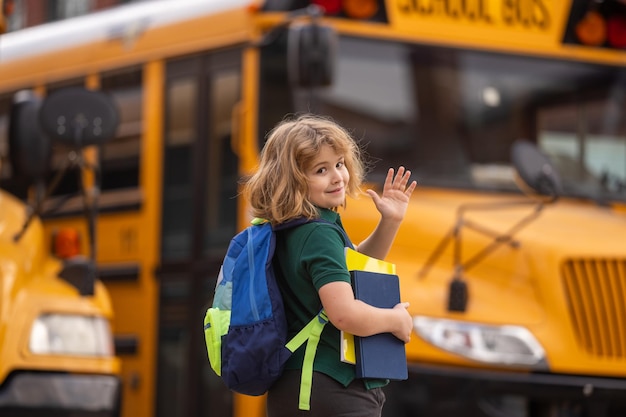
(595, 291)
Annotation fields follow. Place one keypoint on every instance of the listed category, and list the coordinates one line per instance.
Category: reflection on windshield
(590, 153)
(451, 115)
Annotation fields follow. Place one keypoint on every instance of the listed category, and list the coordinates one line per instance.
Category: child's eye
(321, 170)
(340, 164)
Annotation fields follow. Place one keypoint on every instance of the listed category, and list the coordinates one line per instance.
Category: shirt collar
(329, 215)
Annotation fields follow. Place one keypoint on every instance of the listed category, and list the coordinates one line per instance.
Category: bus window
(180, 133)
(64, 9)
(199, 218)
(222, 175)
(120, 157)
(389, 107)
(591, 153)
(451, 115)
(186, 95)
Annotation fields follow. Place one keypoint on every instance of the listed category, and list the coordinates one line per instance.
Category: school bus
(56, 343)
(509, 113)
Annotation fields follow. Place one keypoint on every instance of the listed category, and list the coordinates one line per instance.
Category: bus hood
(29, 247)
(567, 228)
(570, 228)
(512, 276)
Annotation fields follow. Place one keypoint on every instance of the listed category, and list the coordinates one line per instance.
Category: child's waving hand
(394, 200)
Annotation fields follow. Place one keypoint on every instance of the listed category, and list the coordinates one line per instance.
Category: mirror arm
(437, 253)
(506, 237)
(72, 160)
(90, 205)
(458, 293)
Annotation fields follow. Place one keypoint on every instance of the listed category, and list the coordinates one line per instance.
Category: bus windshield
(451, 115)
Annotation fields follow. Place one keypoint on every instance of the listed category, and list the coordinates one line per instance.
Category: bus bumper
(453, 391)
(30, 394)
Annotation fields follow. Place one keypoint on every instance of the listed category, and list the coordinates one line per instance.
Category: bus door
(199, 213)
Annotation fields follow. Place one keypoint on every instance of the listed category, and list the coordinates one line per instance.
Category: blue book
(382, 355)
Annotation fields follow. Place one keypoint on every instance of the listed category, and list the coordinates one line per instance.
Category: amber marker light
(66, 243)
(360, 9)
(591, 29)
(254, 8)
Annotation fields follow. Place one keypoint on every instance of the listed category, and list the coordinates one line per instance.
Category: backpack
(246, 327)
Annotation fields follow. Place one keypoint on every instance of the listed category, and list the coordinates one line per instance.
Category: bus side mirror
(535, 169)
(311, 50)
(30, 149)
(78, 117)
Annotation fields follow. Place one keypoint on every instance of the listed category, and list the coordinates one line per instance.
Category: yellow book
(358, 262)
(348, 352)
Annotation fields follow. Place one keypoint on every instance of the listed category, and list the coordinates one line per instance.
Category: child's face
(328, 178)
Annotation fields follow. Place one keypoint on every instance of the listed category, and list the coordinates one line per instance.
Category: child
(308, 166)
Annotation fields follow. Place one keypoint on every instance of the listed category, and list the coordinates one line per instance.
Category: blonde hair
(278, 191)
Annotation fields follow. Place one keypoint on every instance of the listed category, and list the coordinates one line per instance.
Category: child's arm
(358, 318)
(392, 206)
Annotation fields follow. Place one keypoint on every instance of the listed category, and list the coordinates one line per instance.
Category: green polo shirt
(308, 257)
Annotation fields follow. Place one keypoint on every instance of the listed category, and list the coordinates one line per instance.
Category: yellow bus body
(201, 97)
(31, 289)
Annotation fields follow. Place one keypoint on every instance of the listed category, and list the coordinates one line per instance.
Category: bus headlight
(65, 334)
(499, 345)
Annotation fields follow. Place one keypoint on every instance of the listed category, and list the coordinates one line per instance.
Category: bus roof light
(360, 9)
(330, 7)
(616, 31)
(591, 29)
